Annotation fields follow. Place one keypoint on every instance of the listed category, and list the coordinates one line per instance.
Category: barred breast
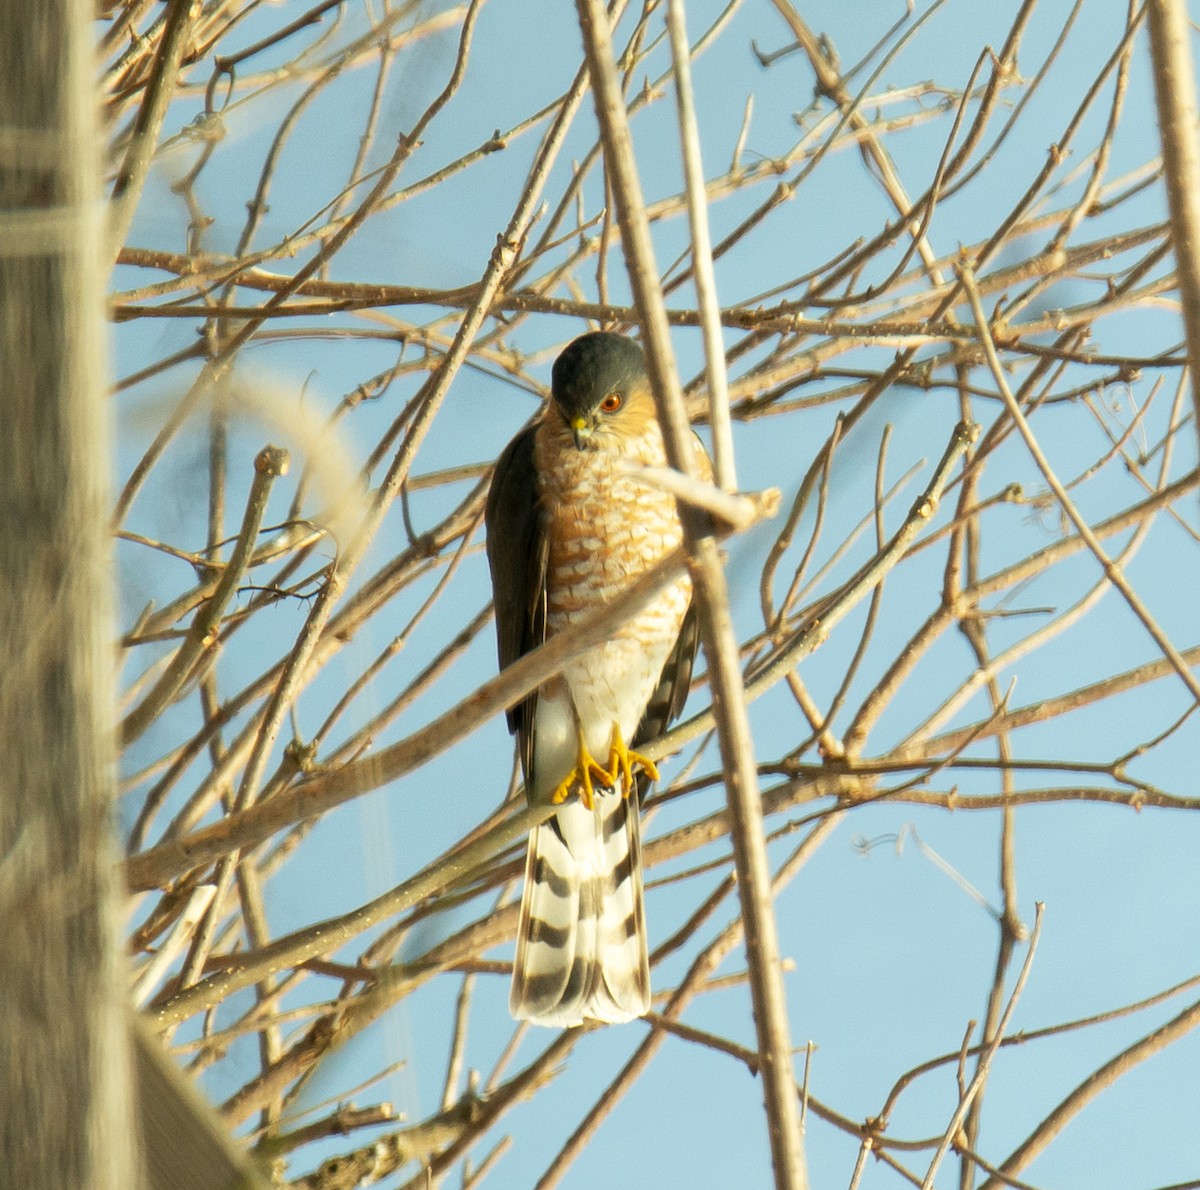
(604, 529)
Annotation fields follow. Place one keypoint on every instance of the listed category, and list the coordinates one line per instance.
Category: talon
(587, 774)
(588, 770)
(621, 761)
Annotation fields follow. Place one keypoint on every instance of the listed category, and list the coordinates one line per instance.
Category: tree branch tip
(967, 432)
(273, 461)
(737, 510)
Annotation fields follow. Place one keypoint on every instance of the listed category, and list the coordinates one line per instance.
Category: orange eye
(611, 403)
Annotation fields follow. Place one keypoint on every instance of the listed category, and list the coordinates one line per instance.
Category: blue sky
(892, 957)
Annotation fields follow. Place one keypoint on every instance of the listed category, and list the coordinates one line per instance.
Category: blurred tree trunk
(65, 1071)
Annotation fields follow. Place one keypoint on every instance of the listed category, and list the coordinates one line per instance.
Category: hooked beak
(581, 429)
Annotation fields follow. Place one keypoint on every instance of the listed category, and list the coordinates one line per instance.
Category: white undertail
(581, 943)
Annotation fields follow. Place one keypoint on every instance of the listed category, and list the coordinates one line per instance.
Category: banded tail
(581, 942)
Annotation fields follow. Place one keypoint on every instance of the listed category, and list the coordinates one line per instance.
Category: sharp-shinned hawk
(567, 530)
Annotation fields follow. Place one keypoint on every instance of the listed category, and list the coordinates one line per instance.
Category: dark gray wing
(672, 690)
(516, 550)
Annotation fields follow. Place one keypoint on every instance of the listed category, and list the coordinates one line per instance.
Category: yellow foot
(586, 771)
(621, 761)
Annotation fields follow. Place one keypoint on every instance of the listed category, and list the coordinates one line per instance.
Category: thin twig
(270, 464)
(1111, 570)
(985, 1058)
(711, 594)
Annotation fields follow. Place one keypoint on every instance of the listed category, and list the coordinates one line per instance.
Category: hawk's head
(599, 385)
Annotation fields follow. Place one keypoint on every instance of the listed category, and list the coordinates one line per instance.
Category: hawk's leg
(621, 761)
(586, 771)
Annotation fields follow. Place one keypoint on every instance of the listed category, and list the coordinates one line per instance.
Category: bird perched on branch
(568, 529)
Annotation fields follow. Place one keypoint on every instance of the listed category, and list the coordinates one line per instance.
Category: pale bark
(65, 1072)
